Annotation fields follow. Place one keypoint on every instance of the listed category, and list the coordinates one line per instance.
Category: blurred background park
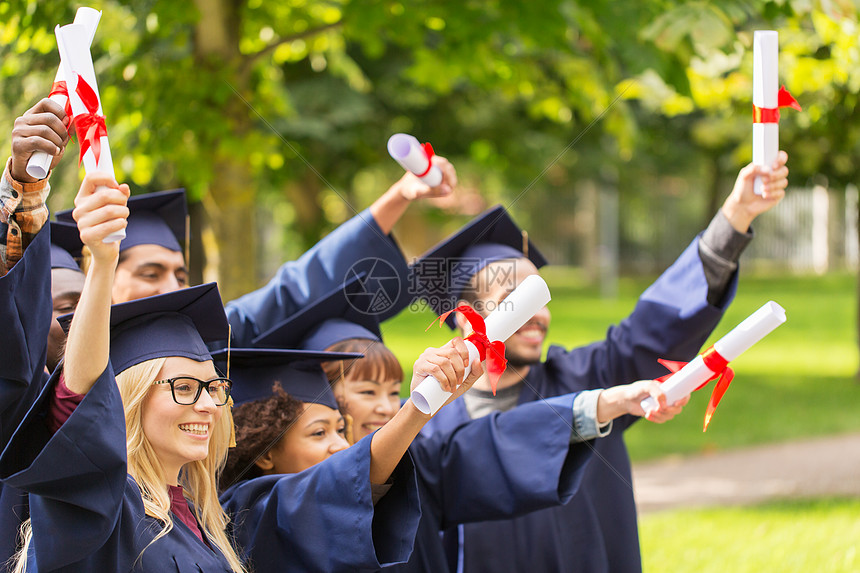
(613, 130)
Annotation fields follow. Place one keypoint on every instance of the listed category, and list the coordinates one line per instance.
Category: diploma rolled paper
(696, 373)
(414, 157)
(767, 99)
(509, 316)
(40, 162)
(74, 44)
(765, 88)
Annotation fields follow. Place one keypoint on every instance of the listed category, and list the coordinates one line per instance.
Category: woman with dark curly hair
(287, 422)
(259, 424)
(285, 414)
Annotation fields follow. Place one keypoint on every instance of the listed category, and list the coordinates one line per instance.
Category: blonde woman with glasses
(138, 492)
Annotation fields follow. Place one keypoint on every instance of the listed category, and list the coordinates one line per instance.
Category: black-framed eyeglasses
(186, 390)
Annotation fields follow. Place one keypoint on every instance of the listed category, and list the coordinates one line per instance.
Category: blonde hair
(198, 478)
(18, 562)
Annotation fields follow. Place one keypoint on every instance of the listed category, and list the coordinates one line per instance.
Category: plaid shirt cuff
(23, 213)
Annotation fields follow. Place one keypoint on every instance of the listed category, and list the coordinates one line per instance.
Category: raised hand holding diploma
(73, 42)
(767, 100)
(40, 162)
(713, 363)
(487, 338)
(414, 157)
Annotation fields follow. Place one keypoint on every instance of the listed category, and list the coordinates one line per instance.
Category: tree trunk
(310, 222)
(231, 201)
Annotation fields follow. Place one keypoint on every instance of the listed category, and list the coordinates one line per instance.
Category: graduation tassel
(347, 426)
(230, 399)
(525, 243)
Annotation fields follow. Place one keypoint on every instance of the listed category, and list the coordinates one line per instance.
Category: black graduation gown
(498, 466)
(323, 518)
(25, 315)
(86, 511)
(596, 531)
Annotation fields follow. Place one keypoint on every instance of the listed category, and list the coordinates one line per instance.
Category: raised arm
(447, 364)
(100, 209)
(388, 209)
(41, 128)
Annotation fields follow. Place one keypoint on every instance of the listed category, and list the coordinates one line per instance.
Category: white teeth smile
(196, 429)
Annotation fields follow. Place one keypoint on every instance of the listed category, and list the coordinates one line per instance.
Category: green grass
(795, 383)
(787, 536)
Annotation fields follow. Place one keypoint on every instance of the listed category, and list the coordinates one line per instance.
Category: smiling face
(179, 434)
(489, 288)
(66, 287)
(148, 270)
(368, 388)
(371, 403)
(315, 435)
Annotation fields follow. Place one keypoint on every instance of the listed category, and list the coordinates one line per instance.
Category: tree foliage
(288, 104)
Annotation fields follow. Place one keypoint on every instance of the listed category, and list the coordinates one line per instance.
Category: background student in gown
(596, 530)
(25, 280)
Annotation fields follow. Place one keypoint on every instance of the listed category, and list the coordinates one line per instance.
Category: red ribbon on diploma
(771, 114)
(428, 151)
(716, 364)
(493, 351)
(59, 88)
(89, 126)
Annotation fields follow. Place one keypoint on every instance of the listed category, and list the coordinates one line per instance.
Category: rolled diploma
(75, 57)
(40, 162)
(512, 313)
(758, 325)
(765, 90)
(406, 151)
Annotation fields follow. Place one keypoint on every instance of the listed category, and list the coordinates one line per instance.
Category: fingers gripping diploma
(447, 365)
(412, 187)
(743, 205)
(100, 210)
(43, 128)
(619, 400)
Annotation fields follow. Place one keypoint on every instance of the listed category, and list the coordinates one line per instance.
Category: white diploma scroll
(758, 325)
(406, 151)
(40, 162)
(765, 95)
(74, 43)
(512, 313)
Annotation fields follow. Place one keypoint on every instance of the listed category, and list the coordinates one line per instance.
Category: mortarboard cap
(255, 370)
(154, 219)
(66, 246)
(330, 319)
(444, 271)
(179, 323)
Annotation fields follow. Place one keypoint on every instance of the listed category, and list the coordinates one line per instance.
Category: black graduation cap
(66, 246)
(330, 319)
(154, 219)
(441, 274)
(255, 370)
(179, 323)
